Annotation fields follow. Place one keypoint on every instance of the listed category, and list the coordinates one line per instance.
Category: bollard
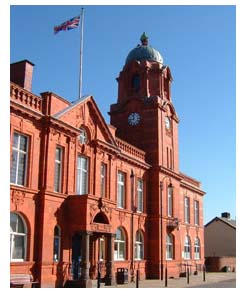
(98, 279)
(137, 279)
(188, 275)
(204, 273)
(166, 277)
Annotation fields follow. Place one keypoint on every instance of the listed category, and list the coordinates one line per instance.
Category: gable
(85, 113)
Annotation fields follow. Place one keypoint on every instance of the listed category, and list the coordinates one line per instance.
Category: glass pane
(57, 177)
(56, 231)
(15, 140)
(18, 250)
(13, 222)
(20, 225)
(118, 234)
(21, 169)
(23, 143)
(78, 181)
(122, 250)
(58, 154)
(13, 167)
(56, 248)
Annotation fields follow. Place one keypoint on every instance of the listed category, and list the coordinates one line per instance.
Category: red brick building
(86, 195)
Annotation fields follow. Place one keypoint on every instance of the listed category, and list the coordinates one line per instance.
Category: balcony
(172, 223)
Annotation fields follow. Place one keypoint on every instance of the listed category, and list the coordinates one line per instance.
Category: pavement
(212, 280)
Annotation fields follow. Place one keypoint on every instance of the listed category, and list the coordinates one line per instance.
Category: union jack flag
(68, 25)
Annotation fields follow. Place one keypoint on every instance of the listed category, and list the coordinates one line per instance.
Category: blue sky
(198, 43)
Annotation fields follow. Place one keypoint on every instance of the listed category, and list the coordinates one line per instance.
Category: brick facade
(144, 156)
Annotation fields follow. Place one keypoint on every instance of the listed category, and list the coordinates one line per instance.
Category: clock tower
(144, 114)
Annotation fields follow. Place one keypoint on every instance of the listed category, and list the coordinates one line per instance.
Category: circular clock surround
(134, 119)
(167, 123)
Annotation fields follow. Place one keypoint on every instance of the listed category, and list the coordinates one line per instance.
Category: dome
(144, 52)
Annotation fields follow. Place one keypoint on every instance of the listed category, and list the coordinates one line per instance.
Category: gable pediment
(85, 113)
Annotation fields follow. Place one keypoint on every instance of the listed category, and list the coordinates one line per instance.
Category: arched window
(169, 247)
(136, 82)
(57, 244)
(139, 246)
(187, 248)
(83, 136)
(119, 245)
(18, 235)
(197, 249)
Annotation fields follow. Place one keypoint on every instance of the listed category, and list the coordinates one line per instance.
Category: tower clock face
(133, 119)
(167, 123)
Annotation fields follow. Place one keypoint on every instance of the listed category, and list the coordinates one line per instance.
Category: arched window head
(57, 244)
(139, 246)
(197, 249)
(119, 245)
(18, 236)
(136, 82)
(83, 138)
(169, 247)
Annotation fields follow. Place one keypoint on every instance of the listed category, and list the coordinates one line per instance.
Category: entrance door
(76, 256)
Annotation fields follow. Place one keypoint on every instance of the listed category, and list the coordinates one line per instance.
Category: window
(18, 235)
(58, 169)
(139, 246)
(83, 137)
(187, 210)
(119, 245)
(170, 201)
(57, 244)
(121, 190)
(82, 175)
(136, 82)
(140, 195)
(197, 255)
(187, 248)
(169, 247)
(103, 180)
(19, 159)
(196, 212)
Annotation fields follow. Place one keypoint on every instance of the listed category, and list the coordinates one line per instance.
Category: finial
(144, 39)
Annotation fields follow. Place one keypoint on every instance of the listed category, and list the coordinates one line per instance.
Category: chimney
(21, 74)
(226, 215)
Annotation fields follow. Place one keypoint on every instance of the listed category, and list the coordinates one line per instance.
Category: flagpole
(81, 51)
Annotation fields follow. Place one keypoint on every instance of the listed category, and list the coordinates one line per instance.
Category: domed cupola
(144, 52)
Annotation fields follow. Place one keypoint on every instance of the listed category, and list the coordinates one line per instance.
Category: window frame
(139, 246)
(19, 151)
(169, 243)
(14, 234)
(57, 237)
(187, 210)
(196, 213)
(140, 195)
(170, 201)
(197, 249)
(118, 243)
(121, 190)
(58, 163)
(103, 180)
(81, 173)
(83, 136)
(187, 248)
